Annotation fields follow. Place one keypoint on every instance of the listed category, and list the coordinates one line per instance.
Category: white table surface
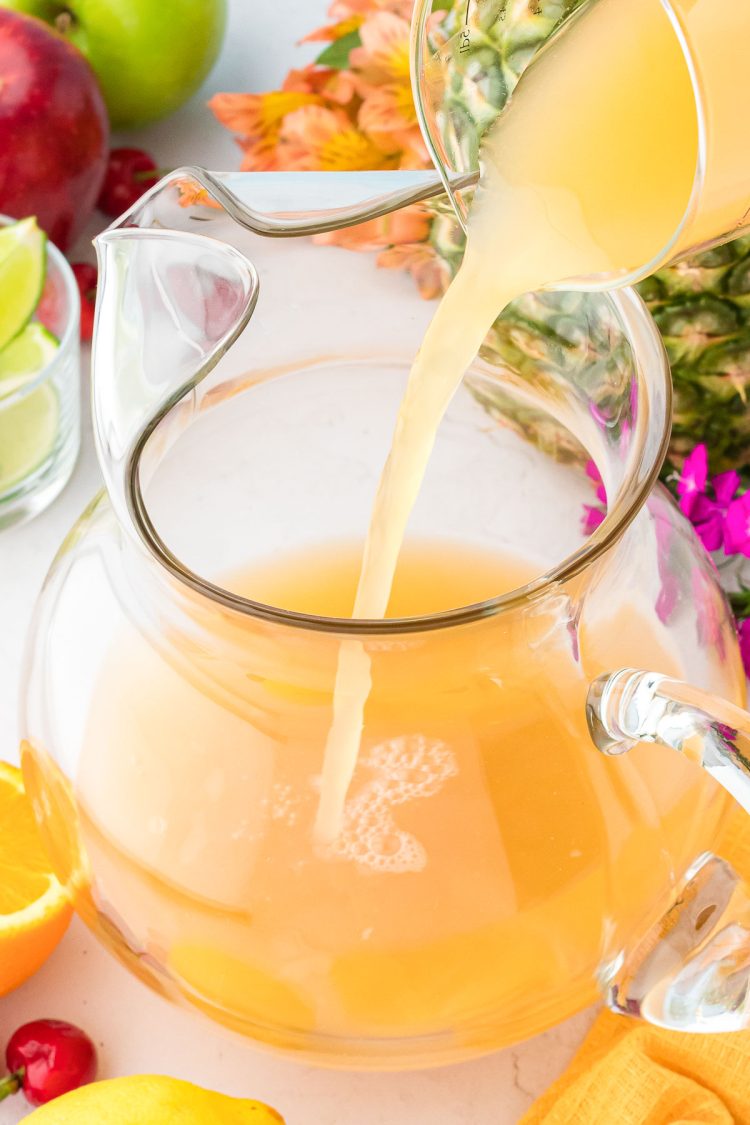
(137, 1031)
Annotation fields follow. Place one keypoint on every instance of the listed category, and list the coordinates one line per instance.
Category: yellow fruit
(150, 1099)
(238, 988)
(34, 908)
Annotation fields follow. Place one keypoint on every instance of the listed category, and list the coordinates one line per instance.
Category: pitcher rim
(653, 373)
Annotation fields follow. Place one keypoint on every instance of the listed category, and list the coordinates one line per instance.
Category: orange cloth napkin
(627, 1073)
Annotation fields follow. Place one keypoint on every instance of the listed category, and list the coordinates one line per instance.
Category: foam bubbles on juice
(405, 769)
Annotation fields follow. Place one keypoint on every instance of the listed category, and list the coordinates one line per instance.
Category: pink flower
(737, 527)
(725, 486)
(720, 519)
(592, 518)
(743, 634)
(593, 474)
(693, 479)
(709, 611)
(708, 520)
(669, 591)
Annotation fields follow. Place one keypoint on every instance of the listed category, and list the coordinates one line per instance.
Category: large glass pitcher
(494, 870)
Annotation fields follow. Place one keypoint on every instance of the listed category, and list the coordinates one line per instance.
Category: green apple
(149, 55)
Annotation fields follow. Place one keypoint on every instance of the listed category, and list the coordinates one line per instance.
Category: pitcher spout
(287, 204)
(169, 306)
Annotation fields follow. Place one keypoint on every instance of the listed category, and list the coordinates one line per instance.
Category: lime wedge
(23, 261)
(28, 433)
(25, 356)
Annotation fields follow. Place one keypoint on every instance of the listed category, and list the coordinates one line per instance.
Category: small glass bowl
(40, 422)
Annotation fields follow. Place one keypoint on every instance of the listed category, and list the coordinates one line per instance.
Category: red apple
(53, 128)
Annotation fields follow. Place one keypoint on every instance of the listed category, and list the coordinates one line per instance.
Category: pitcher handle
(629, 706)
(691, 970)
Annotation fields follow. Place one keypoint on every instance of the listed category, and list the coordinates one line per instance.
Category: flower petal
(743, 634)
(259, 115)
(694, 473)
(384, 54)
(387, 109)
(725, 487)
(737, 527)
(334, 31)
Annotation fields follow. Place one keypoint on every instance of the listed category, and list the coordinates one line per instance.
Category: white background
(136, 1031)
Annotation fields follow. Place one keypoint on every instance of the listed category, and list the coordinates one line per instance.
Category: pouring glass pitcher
(493, 866)
(466, 61)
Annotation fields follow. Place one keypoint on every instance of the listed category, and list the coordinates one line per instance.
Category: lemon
(150, 1099)
(235, 986)
(23, 263)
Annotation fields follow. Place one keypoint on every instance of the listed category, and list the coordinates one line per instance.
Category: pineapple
(701, 305)
(702, 309)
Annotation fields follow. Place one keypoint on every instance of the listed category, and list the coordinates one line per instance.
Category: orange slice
(34, 907)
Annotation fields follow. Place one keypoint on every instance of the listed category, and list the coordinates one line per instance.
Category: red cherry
(130, 171)
(48, 1058)
(86, 277)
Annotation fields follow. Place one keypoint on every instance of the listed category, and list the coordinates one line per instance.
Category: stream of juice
(572, 185)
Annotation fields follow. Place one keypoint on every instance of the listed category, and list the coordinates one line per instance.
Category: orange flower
(191, 194)
(422, 261)
(333, 119)
(258, 119)
(330, 85)
(387, 109)
(409, 225)
(316, 138)
(384, 55)
(343, 9)
(334, 31)
(404, 235)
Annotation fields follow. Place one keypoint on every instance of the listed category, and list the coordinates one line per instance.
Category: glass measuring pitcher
(656, 90)
(494, 870)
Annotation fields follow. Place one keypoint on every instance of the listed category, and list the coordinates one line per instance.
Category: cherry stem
(11, 1084)
(150, 174)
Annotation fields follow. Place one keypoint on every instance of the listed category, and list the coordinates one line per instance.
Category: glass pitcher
(467, 57)
(494, 871)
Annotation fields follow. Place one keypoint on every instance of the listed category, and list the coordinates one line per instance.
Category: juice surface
(485, 847)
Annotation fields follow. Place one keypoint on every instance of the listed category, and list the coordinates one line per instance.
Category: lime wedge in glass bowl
(28, 425)
(23, 265)
(39, 371)
(25, 356)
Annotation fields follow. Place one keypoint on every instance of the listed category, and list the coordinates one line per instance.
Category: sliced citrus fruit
(34, 908)
(29, 430)
(23, 263)
(25, 356)
(232, 988)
